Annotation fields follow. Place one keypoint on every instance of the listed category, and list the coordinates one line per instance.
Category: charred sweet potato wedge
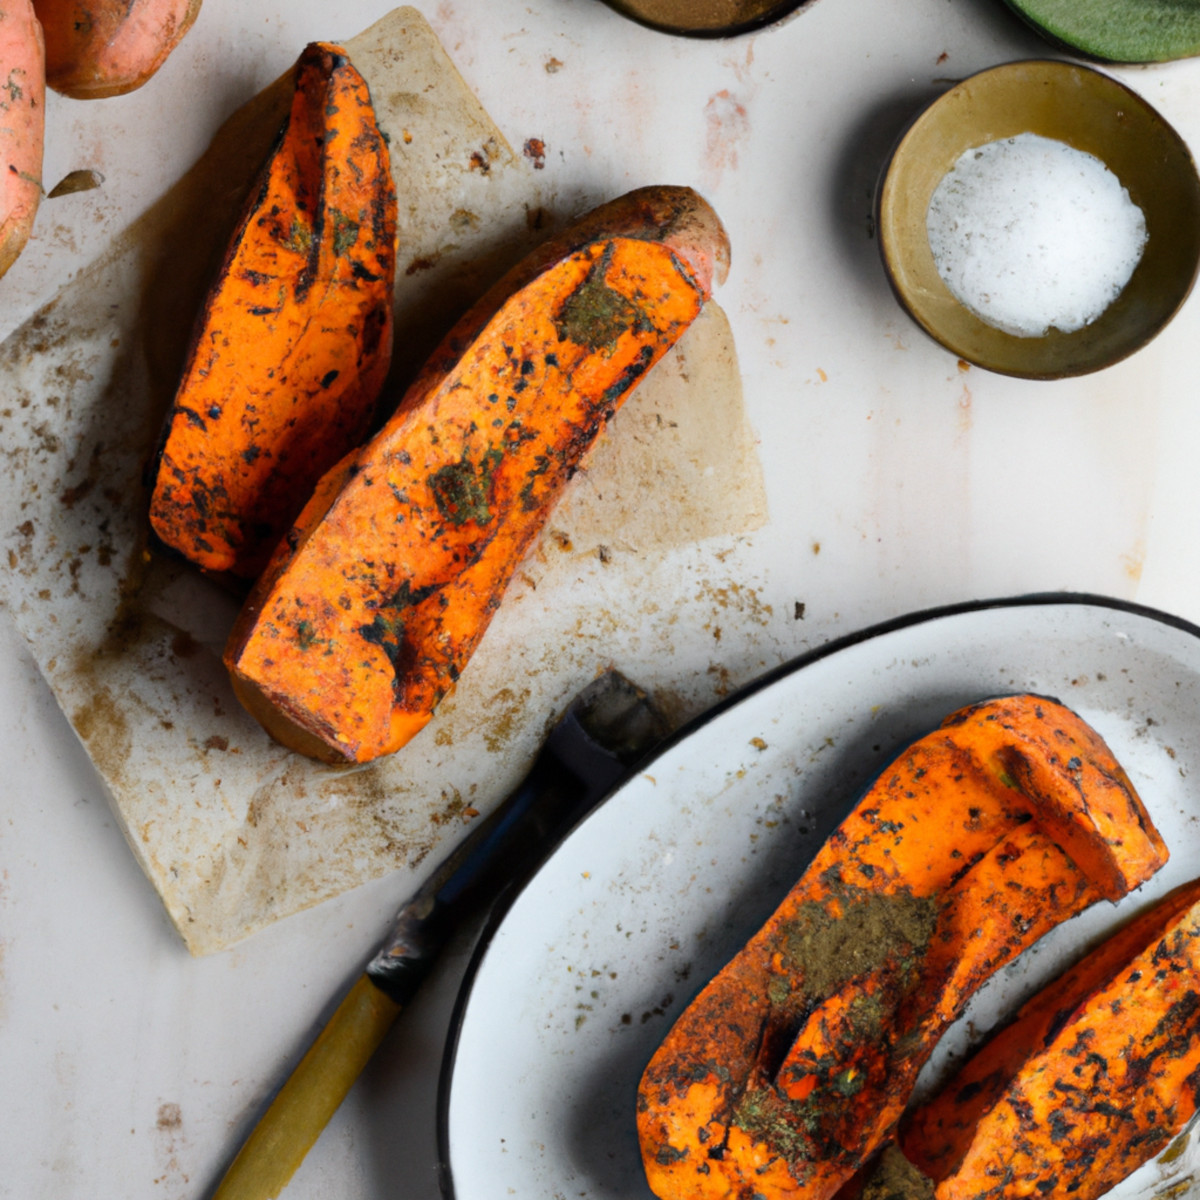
(294, 340)
(22, 126)
(1093, 1077)
(377, 597)
(97, 48)
(795, 1063)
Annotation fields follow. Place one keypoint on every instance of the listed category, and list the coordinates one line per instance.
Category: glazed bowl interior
(707, 18)
(1090, 112)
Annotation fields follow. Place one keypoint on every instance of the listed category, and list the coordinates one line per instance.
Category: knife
(609, 727)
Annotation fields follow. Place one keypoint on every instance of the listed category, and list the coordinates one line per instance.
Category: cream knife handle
(295, 1118)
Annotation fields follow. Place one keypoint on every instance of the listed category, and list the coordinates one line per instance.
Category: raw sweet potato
(1094, 1076)
(98, 48)
(22, 125)
(794, 1064)
(294, 340)
(377, 597)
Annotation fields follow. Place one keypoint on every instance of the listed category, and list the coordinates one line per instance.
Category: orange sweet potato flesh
(374, 602)
(794, 1064)
(22, 126)
(97, 48)
(1093, 1077)
(294, 339)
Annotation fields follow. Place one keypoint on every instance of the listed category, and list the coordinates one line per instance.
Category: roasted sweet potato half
(793, 1066)
(1094, 1076)
(22, 126)
(97, 48)
(377, 597)
(294, 339)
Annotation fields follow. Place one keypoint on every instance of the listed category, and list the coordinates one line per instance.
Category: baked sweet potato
(1093, 1077)
(97, 48)
(294, 339)
(22, 126)
(377, 597)
(794, 1064)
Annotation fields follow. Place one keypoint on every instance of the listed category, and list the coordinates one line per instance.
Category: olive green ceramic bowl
(1091, 112)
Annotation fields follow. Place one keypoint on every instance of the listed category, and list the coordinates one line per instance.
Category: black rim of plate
(505, 902)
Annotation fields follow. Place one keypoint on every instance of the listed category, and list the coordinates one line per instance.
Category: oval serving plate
(576, 982)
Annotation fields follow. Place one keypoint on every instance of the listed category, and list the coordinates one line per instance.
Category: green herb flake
(462, 490)
(594, 315)
(345, 232)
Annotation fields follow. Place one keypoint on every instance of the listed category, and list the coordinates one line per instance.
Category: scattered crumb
(535, 151)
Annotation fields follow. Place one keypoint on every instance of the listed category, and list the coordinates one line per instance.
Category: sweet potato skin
(294, 340)
(795, 1063)
(366, 616)
(1092, 1078)
(22, 126)
(97, 48)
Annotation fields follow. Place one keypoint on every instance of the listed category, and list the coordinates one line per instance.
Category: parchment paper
(234, 831)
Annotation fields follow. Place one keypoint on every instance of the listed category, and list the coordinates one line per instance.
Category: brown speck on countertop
(735, 598)
(554, 65)
(509, 706)
(73, 495)
(169, 1117)
(183, 645)
(722, 680)
(422, 263)
(535, 150)
(453, 807)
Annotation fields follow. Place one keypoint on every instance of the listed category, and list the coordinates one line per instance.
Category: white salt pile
(1030, 233)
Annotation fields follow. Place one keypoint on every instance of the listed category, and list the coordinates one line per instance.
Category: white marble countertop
(895, 481)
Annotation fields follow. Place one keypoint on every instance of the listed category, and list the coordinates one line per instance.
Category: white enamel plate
(574, 985)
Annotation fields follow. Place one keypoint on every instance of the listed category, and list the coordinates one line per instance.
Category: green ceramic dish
(1120, 31)
(1093, 113)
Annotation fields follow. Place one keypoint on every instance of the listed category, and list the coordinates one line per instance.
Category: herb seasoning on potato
(377, 597)
(793, 1066)
(290, 352)
(1093, 1077)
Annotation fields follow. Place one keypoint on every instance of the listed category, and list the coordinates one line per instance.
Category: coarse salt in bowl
(1040, 220)
(1030, 233)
